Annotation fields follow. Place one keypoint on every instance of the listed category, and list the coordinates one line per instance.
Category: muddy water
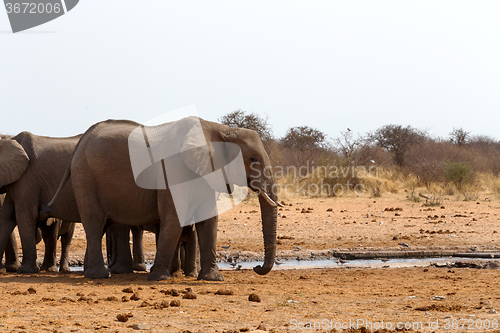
(335, 263)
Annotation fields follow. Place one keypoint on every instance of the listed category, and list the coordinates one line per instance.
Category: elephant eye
(253, 159)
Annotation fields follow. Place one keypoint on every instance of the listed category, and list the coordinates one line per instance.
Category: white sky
(328, 64)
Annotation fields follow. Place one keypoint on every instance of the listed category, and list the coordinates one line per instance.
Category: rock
(492, 311)
(175, 303)
(438, 298)
(112, 299)
(139, 327)
(254, 298)
(135, 297)
(31, 290)
(161, 305)
(190, 295)
(123, 317)
(125, 299)
(172, 292)
(224, 292)
(127, 290)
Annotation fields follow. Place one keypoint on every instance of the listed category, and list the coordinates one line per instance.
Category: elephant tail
(47, 208)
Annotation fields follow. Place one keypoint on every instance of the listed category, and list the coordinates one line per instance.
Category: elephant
(52, 229)
(49, 231)
(121, 173)
(31, 167)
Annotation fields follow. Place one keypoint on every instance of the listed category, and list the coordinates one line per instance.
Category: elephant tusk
(269, 200)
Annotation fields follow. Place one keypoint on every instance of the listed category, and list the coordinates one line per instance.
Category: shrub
(459, 173)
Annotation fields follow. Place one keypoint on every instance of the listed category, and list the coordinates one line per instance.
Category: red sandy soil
(289, 298)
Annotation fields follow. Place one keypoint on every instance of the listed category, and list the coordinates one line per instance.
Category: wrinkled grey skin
(35, 185)
(105, 189)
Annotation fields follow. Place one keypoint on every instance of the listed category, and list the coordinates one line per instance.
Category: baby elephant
(52, 229)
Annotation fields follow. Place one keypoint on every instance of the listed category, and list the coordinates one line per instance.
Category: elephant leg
(191, 253)
(175, 265)
(27, 230)
(167, 238)
(11, 254)
(110, 248)
(7, 225)
(138, 249)
(121, 236)
(49, 236)
(93, 224)
(66, 237)
(207, 238)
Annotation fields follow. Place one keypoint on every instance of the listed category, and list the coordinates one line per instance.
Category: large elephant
(31, 168)
(106, 178)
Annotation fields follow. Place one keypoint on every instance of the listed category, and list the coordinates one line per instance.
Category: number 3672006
(32, 8)
(470, 324)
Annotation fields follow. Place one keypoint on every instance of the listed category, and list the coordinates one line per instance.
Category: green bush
(459, 173)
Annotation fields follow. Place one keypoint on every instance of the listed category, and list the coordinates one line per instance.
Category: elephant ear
(194, 152)
(13, 161)
(196, 156)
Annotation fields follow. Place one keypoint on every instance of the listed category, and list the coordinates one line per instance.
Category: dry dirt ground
(289, 299)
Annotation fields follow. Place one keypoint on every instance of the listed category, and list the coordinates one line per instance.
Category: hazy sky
(328, 64)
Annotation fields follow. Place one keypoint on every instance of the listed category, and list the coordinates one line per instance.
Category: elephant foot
(12, 267)
(99, 272)
(52, 268)
(158, 275)
(141, 267)
(177, 273)
(193, 273)
(121, 269)
(28, 269)
(211, 275)
(64, 269)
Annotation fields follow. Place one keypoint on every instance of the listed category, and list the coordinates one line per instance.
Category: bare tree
(251, 121)
(459, 136)
(348, 146)
(397, 139)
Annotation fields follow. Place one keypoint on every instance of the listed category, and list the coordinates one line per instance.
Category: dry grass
(386, 181)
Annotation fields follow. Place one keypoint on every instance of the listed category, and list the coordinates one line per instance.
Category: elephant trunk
(269, 215)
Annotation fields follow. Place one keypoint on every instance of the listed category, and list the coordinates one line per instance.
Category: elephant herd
(52, 183)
